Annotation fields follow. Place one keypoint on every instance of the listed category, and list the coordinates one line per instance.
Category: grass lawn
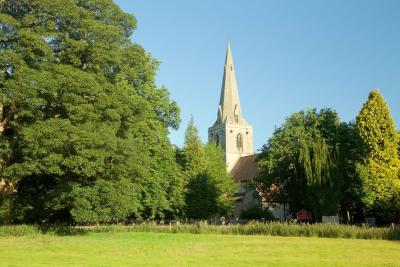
(164, 249)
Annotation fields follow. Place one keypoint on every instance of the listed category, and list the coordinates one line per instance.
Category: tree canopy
(380, 155)
(81, 119)
(303, 159)
(210, 189)
(315, 162)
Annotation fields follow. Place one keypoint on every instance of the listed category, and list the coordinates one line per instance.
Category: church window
(239, 141)
(217, 139)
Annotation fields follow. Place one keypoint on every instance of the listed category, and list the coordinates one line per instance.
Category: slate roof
(245, 169)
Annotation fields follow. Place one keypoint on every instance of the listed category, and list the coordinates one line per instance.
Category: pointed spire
(229, 104)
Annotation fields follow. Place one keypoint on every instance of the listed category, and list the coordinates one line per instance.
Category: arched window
(239, 141)
(217, 139)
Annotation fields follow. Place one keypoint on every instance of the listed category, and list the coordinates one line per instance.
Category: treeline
(84, 134)
(83, 126)
(315, 162)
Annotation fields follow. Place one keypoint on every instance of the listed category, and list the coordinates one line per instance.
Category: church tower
(230, 130)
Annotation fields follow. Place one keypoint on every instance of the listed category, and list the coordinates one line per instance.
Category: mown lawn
(164, 249)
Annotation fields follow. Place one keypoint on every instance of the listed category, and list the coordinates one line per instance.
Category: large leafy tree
(380, 156)
(210, 188)
(81, 117)
(303, 160)
(354, 174)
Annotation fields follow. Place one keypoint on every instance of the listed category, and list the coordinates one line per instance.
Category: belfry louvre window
(236, 114)
(239, 141)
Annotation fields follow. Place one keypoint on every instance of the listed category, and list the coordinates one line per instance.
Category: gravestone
(330, 219)
(370, 221)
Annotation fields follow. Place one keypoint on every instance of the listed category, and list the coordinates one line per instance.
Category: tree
(79, 110)
(303, 159)
(379, 154)
(220, 178)
(193, 150)
(354, 174)
(210, 188)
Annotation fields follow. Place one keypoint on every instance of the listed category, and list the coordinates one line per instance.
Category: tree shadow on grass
(61, 230)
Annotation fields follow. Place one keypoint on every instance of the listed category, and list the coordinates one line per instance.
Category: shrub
(256, 212)
(5, 211)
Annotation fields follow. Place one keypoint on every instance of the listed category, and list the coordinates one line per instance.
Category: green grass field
(165, 249)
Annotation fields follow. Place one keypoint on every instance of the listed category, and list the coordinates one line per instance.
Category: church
(235, 135)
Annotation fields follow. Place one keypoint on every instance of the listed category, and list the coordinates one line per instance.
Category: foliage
(398, 143)
(256, 212)
(5, 211)
(379, 156)
(217, 174)
(105, 201)
(79, 109)
(317, 162)
(210, 188)
(319, 165)
(354, 174)
(303, 156)
(193, 150)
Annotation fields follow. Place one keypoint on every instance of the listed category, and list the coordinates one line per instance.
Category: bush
(256, 212)
(5, 211)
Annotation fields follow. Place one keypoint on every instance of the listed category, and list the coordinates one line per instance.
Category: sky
(289, 55)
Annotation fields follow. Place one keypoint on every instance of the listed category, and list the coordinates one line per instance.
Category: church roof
(245, 169)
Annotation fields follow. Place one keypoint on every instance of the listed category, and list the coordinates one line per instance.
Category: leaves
(303, 158)
(81, 117)
(210, 188)
(380, 150)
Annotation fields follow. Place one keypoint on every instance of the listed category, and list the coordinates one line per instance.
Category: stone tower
(230, 130)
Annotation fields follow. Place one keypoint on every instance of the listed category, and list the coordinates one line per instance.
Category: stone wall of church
(238, 143)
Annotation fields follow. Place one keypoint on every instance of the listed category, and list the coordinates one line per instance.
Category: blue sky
(289, 55)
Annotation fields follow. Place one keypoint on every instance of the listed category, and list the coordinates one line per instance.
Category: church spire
(229, 104)
(231, 131)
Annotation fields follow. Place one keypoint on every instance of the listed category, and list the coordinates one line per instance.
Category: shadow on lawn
(61, 230)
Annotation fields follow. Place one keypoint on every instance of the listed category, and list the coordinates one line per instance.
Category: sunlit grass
(164, 249)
